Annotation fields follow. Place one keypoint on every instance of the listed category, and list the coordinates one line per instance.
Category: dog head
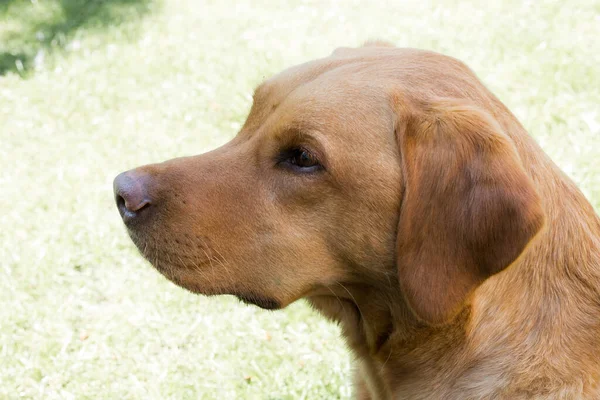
(373, 161)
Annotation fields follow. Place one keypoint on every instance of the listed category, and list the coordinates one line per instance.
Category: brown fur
(459, 260)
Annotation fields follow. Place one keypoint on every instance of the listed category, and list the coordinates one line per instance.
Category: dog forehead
(320, 91)
(356, 88)
(357, 71)
(377, 62)
(280, 85)
(340, 84)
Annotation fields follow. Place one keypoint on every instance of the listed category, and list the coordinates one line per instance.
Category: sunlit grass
(89, 89)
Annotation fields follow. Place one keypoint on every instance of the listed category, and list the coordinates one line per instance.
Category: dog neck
(382, 331)
(526, 311)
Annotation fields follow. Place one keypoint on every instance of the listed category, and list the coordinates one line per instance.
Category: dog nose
(131, 194)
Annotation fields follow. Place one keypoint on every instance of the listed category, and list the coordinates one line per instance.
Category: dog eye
(303, 159)
(300, 159)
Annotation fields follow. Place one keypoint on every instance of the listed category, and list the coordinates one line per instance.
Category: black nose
(131, 194)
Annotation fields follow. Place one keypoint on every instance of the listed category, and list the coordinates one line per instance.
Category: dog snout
(131, 195)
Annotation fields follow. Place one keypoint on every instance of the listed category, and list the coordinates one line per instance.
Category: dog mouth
(188, 262)
(184, 252)
(266, 303)
(179, 260)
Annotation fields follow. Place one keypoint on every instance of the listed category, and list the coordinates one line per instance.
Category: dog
(397, 195)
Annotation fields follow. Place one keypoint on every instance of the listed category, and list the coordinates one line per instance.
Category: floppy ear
(468, 211)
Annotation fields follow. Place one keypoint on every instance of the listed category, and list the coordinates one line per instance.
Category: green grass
(92, 88)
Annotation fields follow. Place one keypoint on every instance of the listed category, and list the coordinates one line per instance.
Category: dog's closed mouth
(259, 301)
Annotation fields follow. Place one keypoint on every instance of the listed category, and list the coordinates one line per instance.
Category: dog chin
(266, 303)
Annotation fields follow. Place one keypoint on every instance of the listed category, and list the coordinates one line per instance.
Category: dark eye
(300, 159)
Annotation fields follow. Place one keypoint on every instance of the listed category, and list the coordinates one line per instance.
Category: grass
(92, 88)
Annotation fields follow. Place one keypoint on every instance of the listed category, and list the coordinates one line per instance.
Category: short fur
(460, 262)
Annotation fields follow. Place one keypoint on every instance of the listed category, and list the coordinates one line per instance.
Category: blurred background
(90, 88)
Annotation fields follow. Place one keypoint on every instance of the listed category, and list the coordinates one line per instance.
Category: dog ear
(468, 211)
